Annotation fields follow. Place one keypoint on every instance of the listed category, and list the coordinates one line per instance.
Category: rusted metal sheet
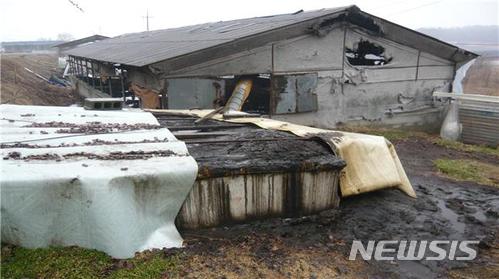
(306, 98)
(295, 93)
(239, 198)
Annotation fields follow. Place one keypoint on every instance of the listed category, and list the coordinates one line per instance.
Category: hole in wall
(258, 100)
(366, 53)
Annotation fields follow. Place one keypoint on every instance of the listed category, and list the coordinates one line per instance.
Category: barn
(322, 68)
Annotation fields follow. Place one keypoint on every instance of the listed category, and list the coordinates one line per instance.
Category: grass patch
(466, 147)
(397, 134)
(390, 134)
(469, 170)
(75, 262)
(69, 262)
(152, 265)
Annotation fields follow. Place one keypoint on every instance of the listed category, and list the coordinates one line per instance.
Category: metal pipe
(93, 74)
(100, 79)
(87, 71)
(87, 78)
(122, 86)
(79, 68)
(75, 68)
(110, 87)
(70, 65)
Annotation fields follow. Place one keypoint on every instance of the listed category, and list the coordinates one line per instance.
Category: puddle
(457, 226)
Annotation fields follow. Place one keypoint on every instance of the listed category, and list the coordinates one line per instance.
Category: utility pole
(147, 17)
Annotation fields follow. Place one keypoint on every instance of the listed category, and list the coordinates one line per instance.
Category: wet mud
(318, 246)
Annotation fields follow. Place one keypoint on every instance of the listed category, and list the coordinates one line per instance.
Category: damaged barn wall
(397, 101)
(401, 88)
(396, 91)
(310, 53)
(143, 78)
(203, 92)
(313, 54)
(293, 55)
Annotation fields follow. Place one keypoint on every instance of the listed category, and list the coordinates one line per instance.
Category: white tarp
(118, 191)
(457, 83)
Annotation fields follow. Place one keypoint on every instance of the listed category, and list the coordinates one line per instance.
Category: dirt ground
(18, 86)
(483, 77)
(318, 246)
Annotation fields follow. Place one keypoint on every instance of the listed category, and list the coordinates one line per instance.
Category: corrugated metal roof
(92, 38)
(145, 48)
(140, 49)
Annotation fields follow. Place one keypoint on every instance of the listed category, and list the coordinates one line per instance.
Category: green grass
(75, 262)
(390, 134)
(69, 262)
(469, 170)
(466, 147)
(152, 266)
(397, 134)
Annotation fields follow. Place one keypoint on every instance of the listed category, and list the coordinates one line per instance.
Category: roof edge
(419, 33)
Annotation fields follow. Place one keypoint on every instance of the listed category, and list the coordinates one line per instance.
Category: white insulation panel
(63, 189)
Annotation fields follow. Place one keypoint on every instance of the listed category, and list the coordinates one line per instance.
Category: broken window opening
(365, 53)
(258, 100)
(213, 92)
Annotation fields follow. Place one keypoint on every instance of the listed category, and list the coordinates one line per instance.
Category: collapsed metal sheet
(107, 180)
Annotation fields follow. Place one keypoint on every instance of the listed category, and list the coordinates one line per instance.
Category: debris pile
(132, 155)
(92, 127)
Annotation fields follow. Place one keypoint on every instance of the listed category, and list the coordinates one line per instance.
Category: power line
(76, 5)
(414, 8)
(389, 5)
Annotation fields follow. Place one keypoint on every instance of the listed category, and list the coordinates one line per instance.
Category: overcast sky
(35, 19)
